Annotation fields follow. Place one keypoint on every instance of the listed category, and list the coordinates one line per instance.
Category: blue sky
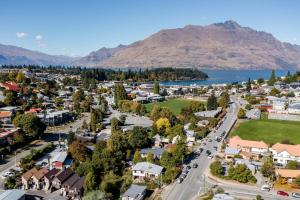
(77, 27)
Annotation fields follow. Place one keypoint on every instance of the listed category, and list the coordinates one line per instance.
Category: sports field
(269, 131)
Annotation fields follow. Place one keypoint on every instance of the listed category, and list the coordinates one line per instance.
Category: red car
(282, 193)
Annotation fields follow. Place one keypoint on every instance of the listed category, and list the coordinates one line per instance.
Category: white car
(210, 156)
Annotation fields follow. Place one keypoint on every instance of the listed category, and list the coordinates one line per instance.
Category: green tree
(150, 157)
(292, 165)
(84, 125)
(30, 124)
(297, 181)
(93, 121)
(241, 114)
(20, 77)
(156, 87)
(268, 169)
(138, 138)
(248, 85)
(10, 98)
(274, 92)
(258, 197)
(122, 119)
(136, 157)
(224, 100)
(114, 124)
(119, 93)
(212, 103)
(89, 182)
(95, 195)
(272, 78)
(71, 137)
(111, 184)
(216, 168)
(260, 80)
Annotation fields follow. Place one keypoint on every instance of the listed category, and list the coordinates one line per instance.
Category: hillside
(218, 46)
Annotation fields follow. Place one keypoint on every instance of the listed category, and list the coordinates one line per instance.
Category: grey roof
(231, 151)
(155, 150)
(208, 113)
(14, 194)
(134, 191)
(253, 114)
(148, 167)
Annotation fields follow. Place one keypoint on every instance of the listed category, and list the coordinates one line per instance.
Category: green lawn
(269, 131)
(175, 105)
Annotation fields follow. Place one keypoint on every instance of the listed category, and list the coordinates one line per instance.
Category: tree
(292, 165)
(95, 195)
(224, 100)
(84, 125)
(30, 124)
(111, 184)
(274, 92)
(156, 87)
(136, 157)
(119, 93)
(267, 168)
(114, 124)
(248, 85)
(272, 78)
(93, 122)
(71, 137)
(260, 80)
(297, 181)
(138, 138)
(212, 103)
(20, 77)
(10, 98)
(258, 197)
(122, 119)
(149, 158)
(241, 114)
(89, 182)
(216, 168)
(163, 125)
(78, 151)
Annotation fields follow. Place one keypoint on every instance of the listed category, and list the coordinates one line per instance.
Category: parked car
(210, 157)
(208, 152)
(209, 140)
(265, 188)
(296, 195)
(188, 167)
(282, 193)
(195, 165)
(179, 180)
(183, 176)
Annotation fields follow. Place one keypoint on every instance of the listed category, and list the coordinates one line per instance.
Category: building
(9, 85)
(49, 178)
(14, 194)
(289, 174)
(135, 192)
(156, 151)
(250, 149)
(52, 117)
(231, 152)
(209, 113)
(26, 178)
(283, 153)
(144, 170)
(253, 114)
(61, 177)
(294, 108)
(38, 178)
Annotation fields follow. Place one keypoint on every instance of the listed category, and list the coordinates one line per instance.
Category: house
(38, 178)
(230, 152)
(61, 178)
(27, 182)
(135, 192)
(283, 153)
(253, 148)
(209, 113)
(77, 189)
(146, 170)
(9, 85)
(253, 114)
(6, 134)
(49, 178)
(294, 108)
(5, 117)
(156, 151)
(289, 174)
(14, 194)
(66, 186)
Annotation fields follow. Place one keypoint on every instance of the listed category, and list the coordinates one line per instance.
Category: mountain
(98, 56)
(225, 45)
(12, 55)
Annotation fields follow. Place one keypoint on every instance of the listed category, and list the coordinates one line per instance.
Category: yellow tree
(163, 125)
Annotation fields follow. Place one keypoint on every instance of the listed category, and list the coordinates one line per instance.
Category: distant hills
(19, 56)
(225, 45)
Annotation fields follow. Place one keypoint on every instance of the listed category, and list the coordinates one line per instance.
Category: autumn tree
(78, 151)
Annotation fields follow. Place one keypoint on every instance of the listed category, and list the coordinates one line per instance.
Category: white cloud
(38, 37)
(21, 34)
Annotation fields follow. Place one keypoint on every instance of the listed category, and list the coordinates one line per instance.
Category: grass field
(175, 105)
(269, 131)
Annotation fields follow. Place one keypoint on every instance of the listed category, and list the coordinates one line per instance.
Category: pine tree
(248, 86)
(93, 122)
(212, 103)
(156, 87)
(272, 78)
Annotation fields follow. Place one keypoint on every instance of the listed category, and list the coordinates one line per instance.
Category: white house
(135, 192)
(146, 170)
(283, 153)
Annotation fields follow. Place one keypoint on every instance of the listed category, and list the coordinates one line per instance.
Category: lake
(229, 76)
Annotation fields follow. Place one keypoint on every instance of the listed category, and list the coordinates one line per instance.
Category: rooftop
(148, 167)
(134, 191)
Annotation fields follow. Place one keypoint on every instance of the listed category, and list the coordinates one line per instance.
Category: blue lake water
(229, 76)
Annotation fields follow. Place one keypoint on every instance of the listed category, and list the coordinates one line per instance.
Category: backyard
(269, 131)
(175, 105)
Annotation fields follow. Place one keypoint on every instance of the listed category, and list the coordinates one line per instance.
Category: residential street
(195, 183)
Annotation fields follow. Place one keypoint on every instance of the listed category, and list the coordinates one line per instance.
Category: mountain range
(225, 45)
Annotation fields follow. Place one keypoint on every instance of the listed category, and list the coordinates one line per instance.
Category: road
(195, 183)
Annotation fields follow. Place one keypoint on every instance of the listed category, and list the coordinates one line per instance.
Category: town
(80, 134)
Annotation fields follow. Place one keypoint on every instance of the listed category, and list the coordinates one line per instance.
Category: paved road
(194, 183)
